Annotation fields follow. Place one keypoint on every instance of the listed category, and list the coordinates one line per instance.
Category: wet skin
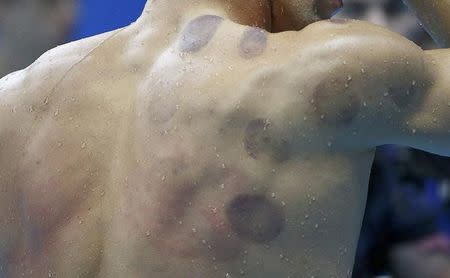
(199, 147)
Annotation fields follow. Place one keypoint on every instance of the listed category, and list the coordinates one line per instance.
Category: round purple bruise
(255, 218)
(199, 33)
(253, 43)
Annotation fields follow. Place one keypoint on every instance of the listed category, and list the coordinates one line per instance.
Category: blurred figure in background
(30, 27)
(405, 229)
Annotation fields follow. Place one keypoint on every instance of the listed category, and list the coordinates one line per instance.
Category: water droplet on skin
(349, 78)
(386, 94)
(194, 230)
(273, 194)
(147, 233)
(306, 216)
(281, 256)
(222, 185)
(283, 203)
(83, 145)
(329, 144)
(363, 70)
(163, 178)
(414, 131)
(316, 226)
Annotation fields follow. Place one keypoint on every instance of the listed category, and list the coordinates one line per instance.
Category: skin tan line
(208, 139)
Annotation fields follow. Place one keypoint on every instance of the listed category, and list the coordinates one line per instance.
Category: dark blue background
(95, 17)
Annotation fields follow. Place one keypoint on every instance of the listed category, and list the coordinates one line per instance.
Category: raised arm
(368, 86)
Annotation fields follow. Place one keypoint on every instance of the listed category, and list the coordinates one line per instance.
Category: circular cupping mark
(335, 106)
(259, 139)
(255, 218)
(199, 33)
(253, 43)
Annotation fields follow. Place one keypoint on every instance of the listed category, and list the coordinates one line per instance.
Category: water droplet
(147, 233)
(414, 131)
(281, 256)
(283, 203)
(386, 94)
(349, 78)
(273, 194)
(83, 145)
(329, 144)
(194, 230)
(306, 216)
(363, 70)
(222, 185)
(316, 226)
(413, 83)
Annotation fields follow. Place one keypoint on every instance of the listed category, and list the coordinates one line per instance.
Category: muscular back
(202, 149)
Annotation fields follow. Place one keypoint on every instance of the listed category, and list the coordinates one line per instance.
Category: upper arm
(379, 88)
(426, 125)
(363, 82)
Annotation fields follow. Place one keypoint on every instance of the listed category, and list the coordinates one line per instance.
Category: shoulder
(48, 69)
(26, 90)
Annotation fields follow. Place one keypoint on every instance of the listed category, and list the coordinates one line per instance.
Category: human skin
(190, 144)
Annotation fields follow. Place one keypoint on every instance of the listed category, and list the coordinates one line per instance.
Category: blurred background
(406, 225)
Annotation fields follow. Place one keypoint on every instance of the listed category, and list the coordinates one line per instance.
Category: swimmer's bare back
(189, 145)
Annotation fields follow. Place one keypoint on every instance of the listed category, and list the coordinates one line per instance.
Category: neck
(246, 12)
